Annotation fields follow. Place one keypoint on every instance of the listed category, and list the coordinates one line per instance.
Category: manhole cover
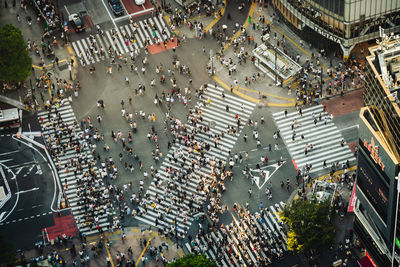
(212, 123)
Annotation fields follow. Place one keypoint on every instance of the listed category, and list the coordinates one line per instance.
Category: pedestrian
(109, 70)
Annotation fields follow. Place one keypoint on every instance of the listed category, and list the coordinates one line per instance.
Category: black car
(116, 7)
(76, 22)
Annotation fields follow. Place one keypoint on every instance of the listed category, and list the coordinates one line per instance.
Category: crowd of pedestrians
(66, 140)
(251, 239)
(248, 240)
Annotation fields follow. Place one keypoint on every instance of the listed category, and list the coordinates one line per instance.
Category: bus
(10, 118)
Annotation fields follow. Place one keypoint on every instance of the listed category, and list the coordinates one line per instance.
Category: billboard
(372, 183)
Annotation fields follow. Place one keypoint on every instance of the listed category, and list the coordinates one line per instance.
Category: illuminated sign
(373, 149)
(370, 259)
(372, 184)
(353, 199)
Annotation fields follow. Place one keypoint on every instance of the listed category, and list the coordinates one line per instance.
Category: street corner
(350, 102)
(260, 97)
(140, 245)
(163, 46)
(135, 9)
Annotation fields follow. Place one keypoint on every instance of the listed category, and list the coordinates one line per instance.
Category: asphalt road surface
(32, 185)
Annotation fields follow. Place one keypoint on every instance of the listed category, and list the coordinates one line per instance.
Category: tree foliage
(192, 260)
(310, 225)
(7, 252)
(15, 62)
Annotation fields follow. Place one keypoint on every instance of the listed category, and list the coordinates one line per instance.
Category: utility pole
(276, 69)
(70, 70)
(322, 71)
(212, 61)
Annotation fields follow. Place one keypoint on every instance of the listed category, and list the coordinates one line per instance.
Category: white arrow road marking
(267, 174)
(30, 169)
(19, 170)
(39, 170)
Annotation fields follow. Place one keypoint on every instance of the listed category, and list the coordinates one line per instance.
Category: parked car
(76, 22)
(140, 2)
(116, 7)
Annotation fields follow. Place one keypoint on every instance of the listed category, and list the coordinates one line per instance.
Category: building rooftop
(385, 62)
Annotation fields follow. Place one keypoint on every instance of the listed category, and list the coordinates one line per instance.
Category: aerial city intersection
(199, 133)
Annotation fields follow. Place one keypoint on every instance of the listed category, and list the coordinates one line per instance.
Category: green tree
(7, 252)
(310, 225)
(15, 62)
(192, 260)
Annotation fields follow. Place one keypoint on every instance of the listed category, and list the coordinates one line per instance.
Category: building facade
(345, 22)
(379, 156)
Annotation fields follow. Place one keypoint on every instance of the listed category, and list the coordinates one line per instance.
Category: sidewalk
(34, 33)
(274, 96)
(144, 254)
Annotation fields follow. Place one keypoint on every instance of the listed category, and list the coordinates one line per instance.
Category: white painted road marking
(29, 190)
(2, 215)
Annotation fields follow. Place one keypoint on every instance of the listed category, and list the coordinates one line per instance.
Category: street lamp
(212, 61)
(395, 219)
(70, 71)
(276, 69)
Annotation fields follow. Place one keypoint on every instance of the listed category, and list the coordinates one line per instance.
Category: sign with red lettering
(353, 199)
(373, 149)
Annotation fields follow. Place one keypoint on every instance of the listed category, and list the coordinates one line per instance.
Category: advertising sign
(372, 184)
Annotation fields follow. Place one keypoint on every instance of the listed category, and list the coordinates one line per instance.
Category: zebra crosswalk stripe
(267, 226)
(213, 112)
(146, 32)
(83, 51)
(123, 43)
(141, 34)
(109, 38)
(78, 210)
(322, 134)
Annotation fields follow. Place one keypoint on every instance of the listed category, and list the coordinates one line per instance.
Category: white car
(140, 2)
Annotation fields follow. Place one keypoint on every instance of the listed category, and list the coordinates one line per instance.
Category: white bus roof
(9, 114)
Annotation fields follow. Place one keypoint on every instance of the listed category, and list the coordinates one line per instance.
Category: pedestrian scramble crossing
(160, 207)
(87, 214)
(318, 129)
(125, 39)
(264, 230)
